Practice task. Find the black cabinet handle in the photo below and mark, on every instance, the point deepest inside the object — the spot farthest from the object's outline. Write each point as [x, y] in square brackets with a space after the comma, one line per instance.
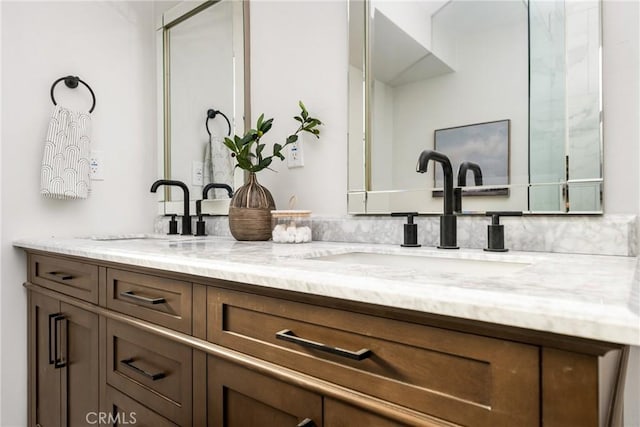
[51, 338]
[153, 377]
[307, 422]
[61, 275]
[54, 360]
[288, 335]
[130, 294]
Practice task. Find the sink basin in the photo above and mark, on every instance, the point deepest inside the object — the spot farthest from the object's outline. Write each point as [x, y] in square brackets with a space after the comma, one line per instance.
[177, 238]
[429, 264]
[116, 237]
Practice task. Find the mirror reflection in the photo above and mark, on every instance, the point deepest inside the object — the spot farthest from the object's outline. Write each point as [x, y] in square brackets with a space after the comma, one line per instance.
[454, 76]
[203, 92]
[565, 105]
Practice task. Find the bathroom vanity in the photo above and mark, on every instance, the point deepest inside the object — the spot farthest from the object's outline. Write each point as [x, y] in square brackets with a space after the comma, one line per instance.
[210, 331]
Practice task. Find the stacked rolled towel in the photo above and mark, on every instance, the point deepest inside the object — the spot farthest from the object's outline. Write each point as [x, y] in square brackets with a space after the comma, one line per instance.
[65, 172]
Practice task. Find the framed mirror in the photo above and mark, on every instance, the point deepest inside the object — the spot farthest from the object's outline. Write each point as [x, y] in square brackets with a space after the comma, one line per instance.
[513, 86]
[203, 75]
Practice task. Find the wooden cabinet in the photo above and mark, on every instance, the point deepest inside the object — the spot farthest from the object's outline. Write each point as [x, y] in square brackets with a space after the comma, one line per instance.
[159, 300]
[459, 377]
[239, 397]
[153, 370]
[66, 276]
[126, 343]
[63, 363]
[339, 414]
[122, 410]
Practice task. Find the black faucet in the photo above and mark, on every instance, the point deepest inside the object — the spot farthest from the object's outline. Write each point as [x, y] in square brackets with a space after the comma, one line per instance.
[462, 181]
[462, 173]
[448, 233]
[205, 190]
[200, 224]
[186, 218]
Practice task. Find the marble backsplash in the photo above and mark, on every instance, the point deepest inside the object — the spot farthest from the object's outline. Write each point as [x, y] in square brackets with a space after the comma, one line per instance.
[596, 235]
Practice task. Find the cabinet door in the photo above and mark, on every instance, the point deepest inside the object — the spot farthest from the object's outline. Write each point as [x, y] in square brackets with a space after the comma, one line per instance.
[239, 397]
[63, 363]
[79, 381]
[123, 410]
[44, 377]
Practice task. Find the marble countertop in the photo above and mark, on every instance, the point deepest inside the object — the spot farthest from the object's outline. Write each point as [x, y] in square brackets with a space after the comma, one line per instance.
[588, 296]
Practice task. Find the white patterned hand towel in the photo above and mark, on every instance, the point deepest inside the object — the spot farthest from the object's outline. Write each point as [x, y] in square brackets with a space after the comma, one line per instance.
[218, 166]
[65, 163]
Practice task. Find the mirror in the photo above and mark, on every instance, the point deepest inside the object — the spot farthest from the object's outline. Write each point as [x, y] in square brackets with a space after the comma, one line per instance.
[513, 86]
[204, 88]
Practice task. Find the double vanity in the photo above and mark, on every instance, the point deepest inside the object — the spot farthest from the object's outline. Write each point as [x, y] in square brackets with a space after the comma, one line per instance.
[183, 330]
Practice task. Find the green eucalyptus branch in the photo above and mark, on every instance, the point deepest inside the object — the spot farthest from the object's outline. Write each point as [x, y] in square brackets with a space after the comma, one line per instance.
[248, 150]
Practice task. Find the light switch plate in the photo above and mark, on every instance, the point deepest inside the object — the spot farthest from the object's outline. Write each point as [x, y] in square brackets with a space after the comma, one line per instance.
[96, 165]
[295, 158]
[197, 172]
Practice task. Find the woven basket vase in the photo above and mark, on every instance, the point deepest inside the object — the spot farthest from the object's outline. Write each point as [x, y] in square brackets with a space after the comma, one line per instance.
[250, 211]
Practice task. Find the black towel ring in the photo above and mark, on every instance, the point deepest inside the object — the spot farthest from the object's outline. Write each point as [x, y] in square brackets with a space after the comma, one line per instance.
[72, 82]
[211, 114]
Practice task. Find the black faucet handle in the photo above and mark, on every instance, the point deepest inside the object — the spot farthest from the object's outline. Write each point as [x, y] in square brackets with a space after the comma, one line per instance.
[200, 227]
[200, 224]
[495, 230]
[409, 215]
[410, 229]
[457, 200]
[173, 225]
[495, 215]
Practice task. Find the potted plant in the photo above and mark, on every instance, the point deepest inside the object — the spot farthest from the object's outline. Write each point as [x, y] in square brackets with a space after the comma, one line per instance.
[251, 205]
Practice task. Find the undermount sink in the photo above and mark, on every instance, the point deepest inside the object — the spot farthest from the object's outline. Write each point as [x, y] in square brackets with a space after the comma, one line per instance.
[429, 264]
[115, 237]
[140, 236]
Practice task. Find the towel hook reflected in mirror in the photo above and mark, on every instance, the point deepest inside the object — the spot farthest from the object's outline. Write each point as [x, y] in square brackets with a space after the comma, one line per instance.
[72, 82]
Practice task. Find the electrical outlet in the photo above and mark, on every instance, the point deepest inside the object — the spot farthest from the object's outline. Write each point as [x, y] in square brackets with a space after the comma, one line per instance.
[96, 165]
[197, 173]
[296, 158]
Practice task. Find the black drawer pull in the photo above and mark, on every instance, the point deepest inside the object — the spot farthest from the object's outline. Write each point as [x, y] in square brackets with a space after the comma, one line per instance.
[288, 335]
[307, 422]
[153, 377]
[60, 275]
[130, 294]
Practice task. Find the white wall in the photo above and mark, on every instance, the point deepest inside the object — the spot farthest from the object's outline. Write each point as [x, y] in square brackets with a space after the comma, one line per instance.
[110, 45]
[299, 52]
[621, 98]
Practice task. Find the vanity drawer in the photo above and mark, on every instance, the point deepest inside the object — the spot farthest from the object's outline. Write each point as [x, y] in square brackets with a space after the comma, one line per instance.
[153, 370]
[454, 376]
[163, 301]
[125, 410]
[73, 278]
